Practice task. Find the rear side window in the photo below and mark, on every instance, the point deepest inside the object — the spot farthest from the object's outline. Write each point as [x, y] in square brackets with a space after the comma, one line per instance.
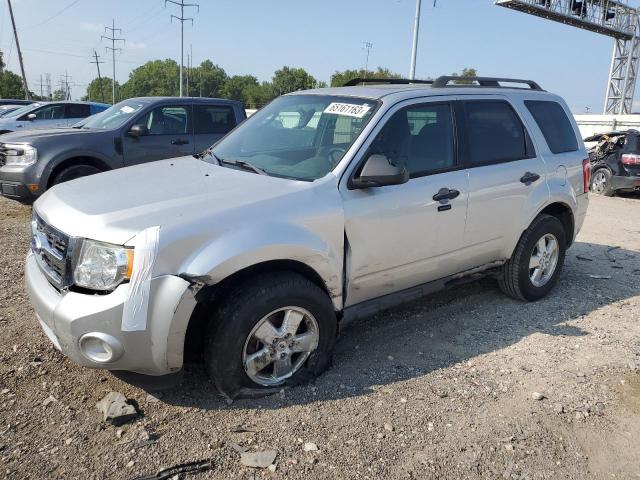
[554, 124]
[213, 119]
[75, 110]
[495, 133]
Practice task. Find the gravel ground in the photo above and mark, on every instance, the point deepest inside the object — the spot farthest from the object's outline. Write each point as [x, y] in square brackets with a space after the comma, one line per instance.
[464, 384]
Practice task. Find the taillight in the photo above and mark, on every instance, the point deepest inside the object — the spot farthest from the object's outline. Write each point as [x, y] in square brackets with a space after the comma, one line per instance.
[586, 175]
[630, 159]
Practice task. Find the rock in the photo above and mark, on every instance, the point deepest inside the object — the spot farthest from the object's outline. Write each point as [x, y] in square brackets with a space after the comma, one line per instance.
[68, 441]
[310, 447]
[48, 400]
[537, 396]
[258, 459]
[388, 427]
[558, 409]
[272, 467]
[5, 391]
[130, 463]
[524, 368]
[403, 400]
[379, 435]
[119, 433]
[509, 447]
[116, 409]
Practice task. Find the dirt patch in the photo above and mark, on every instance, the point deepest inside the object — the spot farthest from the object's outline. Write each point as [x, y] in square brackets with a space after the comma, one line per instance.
[440, 388]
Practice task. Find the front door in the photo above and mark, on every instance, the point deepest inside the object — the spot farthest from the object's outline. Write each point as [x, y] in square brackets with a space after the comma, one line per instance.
[169, 135]
[405, 235]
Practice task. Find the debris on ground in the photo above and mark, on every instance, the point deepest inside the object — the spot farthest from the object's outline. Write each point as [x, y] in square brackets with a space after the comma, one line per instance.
[177, 470]
[584, 258]
[538, 396]
[310, 447]
[258, 459]
[116, 409]
[600, 277]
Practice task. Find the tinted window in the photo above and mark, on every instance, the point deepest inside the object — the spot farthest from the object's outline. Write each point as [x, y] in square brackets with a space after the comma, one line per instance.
[554, 124]
[167, 120]
[494, 132]
[421, 138]
[78, 111]
[50, 112]
[213, 119]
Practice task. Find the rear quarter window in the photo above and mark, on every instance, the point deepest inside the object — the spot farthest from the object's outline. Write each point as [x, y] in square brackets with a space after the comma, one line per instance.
[554, 124]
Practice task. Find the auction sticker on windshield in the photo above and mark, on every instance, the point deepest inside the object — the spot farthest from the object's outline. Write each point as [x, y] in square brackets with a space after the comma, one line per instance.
[348, 109]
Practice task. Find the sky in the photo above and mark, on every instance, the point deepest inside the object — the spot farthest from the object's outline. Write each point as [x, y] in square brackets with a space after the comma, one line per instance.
[259, 36]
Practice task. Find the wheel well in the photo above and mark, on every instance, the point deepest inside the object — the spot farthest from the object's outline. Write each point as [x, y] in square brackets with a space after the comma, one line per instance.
[563, 213]
[210, 295]
[94, 162]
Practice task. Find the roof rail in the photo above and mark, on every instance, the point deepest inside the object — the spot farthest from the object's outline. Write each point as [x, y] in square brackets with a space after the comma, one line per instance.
[444, 81]
[390, 81]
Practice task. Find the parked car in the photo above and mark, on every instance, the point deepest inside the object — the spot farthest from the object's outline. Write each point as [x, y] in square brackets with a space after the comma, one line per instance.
[47, 115]
[13, 101]
[325, 206]
[615, 162]
[7, 109]
[134, 131]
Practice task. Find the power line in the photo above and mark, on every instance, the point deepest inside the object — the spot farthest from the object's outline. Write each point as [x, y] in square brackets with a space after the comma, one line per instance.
[182, 19]
[54, 16]
[113, 49]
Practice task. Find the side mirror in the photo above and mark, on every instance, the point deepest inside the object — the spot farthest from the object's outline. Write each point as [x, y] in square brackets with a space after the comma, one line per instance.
[138, 131]
[31, 116]
[378, 172]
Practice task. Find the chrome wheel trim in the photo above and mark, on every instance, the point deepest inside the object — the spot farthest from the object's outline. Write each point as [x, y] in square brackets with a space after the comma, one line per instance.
[544, 260]
[279, 344]
[599, 182]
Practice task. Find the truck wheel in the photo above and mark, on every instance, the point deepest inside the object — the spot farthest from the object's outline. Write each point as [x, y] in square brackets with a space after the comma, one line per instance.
[272, 330]
[601, 183]
[537, 261]
[76, 171]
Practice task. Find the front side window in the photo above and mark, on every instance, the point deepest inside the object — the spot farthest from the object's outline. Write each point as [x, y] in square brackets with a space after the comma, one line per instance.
[421, 138]
[554, 124]
[298, 136]
[494, 133]
[114, 116]
[166, 120]
[213, 119]
[50, 112]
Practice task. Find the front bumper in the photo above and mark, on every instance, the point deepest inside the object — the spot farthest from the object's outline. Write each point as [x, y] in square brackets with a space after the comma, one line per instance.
[69, 318]
[14, 181]
[625, 183]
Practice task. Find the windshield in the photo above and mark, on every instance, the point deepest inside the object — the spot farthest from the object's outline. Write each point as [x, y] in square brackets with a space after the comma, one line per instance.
[22, 110]
[297, 136]
[115, 116]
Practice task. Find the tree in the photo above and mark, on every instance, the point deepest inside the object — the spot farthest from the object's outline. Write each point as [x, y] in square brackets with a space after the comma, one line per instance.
[236, 87]
[154, 78]
[466, 73]
[99, 90]
[288, 80]
[338, 79]
[207, 80]
[10, 85]
[1, 62]
[59, 95]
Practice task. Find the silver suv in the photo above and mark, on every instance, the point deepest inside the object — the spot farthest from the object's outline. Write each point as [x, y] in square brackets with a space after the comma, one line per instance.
[325, 206]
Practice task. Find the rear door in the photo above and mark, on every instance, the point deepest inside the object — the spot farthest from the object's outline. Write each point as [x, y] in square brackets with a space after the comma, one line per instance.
[169, 135]
[75, 112]
[507, 177]
[210, 123]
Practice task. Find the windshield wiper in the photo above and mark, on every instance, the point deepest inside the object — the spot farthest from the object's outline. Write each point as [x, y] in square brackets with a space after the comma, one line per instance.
[242, 164]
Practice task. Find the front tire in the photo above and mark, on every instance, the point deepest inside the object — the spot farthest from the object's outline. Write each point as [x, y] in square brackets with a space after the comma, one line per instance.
[537, 261]
[273, 330]
[74, 172]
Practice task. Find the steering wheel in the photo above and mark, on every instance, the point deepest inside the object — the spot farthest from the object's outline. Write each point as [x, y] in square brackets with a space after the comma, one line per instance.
[335, 154]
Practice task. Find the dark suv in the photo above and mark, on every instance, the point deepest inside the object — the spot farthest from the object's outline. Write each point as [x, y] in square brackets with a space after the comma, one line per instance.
[134, 131]
[615, 162]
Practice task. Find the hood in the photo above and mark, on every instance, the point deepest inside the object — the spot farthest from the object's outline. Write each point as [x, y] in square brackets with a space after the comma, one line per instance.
[30, 136]
[114, 206]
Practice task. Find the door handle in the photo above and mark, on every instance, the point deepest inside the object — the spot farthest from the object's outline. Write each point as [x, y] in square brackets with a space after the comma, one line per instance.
[179, 141]
[445, 194]
[528, 178]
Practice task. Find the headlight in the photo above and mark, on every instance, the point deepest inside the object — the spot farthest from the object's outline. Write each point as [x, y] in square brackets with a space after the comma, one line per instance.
[102, 266]
[19, 155]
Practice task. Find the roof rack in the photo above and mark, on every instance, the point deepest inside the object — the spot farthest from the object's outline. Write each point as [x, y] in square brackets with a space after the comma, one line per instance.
[390, 81]
[491, 82]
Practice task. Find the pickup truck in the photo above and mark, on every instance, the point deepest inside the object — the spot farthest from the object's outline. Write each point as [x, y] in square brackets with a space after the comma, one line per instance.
[134, 131]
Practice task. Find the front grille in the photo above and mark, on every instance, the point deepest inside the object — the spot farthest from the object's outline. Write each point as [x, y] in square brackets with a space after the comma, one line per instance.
[53, 250]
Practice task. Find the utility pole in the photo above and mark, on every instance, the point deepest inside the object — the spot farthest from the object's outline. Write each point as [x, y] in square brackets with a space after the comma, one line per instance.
[367, 46]
[41, 88]
[113, 49]
[27, 95]
[182, 19]
[414, 50]
[64, 84]
[98, 62]
[47, 77]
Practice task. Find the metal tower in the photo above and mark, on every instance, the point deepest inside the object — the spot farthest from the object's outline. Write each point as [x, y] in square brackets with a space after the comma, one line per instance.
[612, 18]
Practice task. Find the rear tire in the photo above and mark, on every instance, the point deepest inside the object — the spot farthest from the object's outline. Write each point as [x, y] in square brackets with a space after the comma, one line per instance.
[601, 182]
[74, 172]
[234, 353]
[537, 261]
